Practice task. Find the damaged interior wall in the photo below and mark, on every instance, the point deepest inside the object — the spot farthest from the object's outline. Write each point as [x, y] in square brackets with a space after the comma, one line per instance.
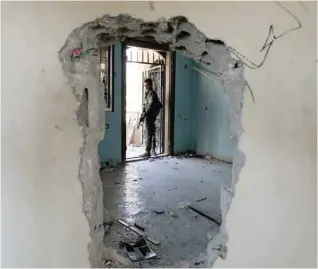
[44, 193]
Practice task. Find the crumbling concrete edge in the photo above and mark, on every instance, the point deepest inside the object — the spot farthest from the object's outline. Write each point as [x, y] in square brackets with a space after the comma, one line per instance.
[182, 36]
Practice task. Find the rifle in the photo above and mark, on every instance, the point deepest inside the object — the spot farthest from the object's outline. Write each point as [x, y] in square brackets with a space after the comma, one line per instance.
[142, 118]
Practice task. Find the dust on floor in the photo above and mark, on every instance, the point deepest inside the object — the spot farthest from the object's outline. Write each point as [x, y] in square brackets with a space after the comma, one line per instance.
[140, 191]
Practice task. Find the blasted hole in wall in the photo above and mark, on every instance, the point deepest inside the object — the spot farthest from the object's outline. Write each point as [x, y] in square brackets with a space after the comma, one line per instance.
[79, 58]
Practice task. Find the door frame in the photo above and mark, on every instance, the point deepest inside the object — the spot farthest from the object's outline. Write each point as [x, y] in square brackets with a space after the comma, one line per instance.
[170, 94]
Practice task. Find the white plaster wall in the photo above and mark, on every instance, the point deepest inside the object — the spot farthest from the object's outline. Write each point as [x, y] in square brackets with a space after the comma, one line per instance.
[273, 218]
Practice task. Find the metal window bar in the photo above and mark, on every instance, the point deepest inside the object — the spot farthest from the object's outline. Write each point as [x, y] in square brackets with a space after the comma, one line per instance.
[151, 57]
[106, 75]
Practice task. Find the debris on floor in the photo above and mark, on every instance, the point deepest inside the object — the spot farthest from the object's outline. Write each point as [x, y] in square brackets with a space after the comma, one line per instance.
[137, 225]
[173, 215]
[200, 200]
[212, 216]
[153, 200]
[159, 212]
[200, 261]
[222, 250]
[184, 204]
[138, 231]
[110, 166]
[186, 154]
[117, 260]
[140, 250]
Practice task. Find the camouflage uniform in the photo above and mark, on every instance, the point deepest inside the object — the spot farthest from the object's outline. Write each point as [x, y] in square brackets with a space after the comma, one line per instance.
[151, 109]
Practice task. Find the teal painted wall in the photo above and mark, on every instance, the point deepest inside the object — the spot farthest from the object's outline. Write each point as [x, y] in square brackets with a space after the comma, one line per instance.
[201, 113]
[184, 95]
[110, 147]
[211, 118]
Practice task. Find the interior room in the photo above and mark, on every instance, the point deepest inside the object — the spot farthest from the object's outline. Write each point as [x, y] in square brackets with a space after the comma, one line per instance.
[174, 196]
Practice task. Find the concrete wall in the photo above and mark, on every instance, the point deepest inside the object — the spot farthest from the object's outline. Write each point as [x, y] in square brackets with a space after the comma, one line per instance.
[211, 117]
[110, 147]
[272, 222]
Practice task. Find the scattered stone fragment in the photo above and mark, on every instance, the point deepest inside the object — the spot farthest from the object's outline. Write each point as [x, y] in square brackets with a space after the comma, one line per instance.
[159, 212]
[187, 154]
[137, 225]
[110, 166]
[173, 215]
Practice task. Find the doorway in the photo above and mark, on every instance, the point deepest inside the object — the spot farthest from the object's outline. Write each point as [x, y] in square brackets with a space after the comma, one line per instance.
[142, 60]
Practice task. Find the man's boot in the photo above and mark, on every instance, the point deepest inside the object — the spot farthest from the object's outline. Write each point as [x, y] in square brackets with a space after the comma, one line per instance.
[153, 153]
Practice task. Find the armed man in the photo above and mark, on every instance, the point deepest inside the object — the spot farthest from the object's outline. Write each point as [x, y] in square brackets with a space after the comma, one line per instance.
[150, 112]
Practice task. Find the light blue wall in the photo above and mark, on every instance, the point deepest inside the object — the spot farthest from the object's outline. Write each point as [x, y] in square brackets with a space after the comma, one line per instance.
[183, 116]
[110, 147]
[211, 118]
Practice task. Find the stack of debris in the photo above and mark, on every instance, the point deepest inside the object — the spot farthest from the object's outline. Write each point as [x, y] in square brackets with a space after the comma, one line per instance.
[139, 250]
[186, 154]
[110, 166]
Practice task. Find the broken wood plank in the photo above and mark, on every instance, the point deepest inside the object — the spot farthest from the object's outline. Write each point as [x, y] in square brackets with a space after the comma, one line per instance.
[138, 231]
[211, 216]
